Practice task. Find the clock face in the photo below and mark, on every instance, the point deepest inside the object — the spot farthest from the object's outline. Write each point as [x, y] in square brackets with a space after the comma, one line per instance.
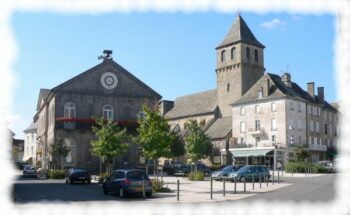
[109, 80]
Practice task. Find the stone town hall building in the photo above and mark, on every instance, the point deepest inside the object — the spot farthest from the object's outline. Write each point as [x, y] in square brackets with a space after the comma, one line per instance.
[253, 116]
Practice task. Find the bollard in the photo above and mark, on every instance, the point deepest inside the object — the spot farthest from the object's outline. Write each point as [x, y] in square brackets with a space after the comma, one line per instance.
[278, 176]
[146, 169]
[143, 189]
[244, 185]
[211, 187]
[292, 171]
[282, 171]
[224, 180]
[178, 190]
[267, 180]
[260, 180]
[235, 185]
[273, 177]
[253, 180]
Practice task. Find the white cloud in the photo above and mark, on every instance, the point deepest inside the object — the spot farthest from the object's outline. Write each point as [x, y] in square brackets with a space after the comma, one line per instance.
[272, 24]
[17, 124]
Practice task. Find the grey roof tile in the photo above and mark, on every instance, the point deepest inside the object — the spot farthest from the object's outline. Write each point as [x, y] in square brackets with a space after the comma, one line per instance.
[220, 128]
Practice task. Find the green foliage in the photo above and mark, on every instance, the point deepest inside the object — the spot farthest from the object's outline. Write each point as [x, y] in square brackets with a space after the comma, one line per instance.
[177, 147]
[157, 186]
[196, 176]
[58, 150]
[198, 143]
[300, 154]
[57, 174]
[301, 167]
[154, 135]
[112, 141]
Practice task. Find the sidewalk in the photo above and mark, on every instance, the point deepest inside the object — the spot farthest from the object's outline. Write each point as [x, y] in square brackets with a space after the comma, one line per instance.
[199, 191]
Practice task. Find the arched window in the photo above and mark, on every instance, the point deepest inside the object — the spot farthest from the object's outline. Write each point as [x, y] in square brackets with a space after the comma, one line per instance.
[256, 55]
[223, 56]
[107, 112]
[233, 53]
[248, 53]
[228, 87]
[69, 110]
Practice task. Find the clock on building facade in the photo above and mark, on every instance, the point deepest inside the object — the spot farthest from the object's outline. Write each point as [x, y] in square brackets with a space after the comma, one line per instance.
[109, 80]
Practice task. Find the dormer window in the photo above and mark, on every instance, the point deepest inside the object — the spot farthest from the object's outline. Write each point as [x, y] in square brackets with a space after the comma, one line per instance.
[260, 94]
[248, 53]
[233, 53]
[256, 55]
[223, 56]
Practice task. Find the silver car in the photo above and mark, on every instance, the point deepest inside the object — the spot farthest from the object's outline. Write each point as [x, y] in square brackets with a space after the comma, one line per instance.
[29, 170]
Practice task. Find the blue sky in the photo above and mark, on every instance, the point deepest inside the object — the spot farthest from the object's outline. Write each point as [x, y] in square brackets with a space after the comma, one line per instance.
[173, 53]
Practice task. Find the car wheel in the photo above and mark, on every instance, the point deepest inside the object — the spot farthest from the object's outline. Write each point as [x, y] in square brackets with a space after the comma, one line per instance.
[149, 194]
[105, 192]
[121, 193]
[89, 181]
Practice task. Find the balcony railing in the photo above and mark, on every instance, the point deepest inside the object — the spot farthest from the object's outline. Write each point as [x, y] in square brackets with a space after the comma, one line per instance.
[255, 132]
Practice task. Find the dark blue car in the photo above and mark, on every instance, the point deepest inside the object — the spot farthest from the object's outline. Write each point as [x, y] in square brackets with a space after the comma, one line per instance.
[125, 182]
[218, 175]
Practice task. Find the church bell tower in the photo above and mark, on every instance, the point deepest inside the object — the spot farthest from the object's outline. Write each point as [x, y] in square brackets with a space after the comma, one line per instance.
[240, 64]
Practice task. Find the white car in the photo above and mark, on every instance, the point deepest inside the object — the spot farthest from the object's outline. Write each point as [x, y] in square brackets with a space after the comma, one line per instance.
[328, 165]
[29, 170]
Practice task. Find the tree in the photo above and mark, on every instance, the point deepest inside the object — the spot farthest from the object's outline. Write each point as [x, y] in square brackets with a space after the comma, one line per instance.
[58, 150]
[197, 142]
[178, 146]
[112, 141]
[300, 153]
[154, 136]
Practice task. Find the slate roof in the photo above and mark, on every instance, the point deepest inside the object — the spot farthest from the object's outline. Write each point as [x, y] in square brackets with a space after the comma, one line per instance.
[194, 104]
[220, 128]
[240, 32]
[278, 90]
[32, 127]
[42, 95]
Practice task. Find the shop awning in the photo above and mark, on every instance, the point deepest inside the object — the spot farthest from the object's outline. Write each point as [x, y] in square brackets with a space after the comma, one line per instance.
[249, 152]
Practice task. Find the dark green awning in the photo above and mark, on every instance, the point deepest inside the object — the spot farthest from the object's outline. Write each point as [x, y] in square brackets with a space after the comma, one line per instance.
[250, 152]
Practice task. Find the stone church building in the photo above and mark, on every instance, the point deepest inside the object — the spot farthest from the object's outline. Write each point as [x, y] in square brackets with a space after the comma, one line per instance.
[243, 83]
[64, 113]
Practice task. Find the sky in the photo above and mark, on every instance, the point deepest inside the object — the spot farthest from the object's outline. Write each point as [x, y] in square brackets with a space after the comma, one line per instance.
[173, 53]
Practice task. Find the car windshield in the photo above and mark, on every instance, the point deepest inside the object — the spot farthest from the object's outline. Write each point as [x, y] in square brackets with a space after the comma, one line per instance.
[136, 175]
[244, 169]
[79, 170]
[30, 167]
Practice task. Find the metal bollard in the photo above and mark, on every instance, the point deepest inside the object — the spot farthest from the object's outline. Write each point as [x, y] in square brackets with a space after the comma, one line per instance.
[260, 180]
[244, 185]
[235, 185]
[178, 190]
[278, 176]
[253, 180]
[273, 177]
[267, 180]
[211, 187]
[143, 189]
[224, 180]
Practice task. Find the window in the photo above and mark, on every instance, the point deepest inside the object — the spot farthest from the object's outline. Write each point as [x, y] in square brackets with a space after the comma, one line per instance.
[299, 125]
[300, 140]
[292, 139]
[325, 116]
[223, 56]
[256, 55]
[108, 112]
[310, 140]
[311, 125]
[299, 107]
[325, 129]
[291, 124]
[310, 110]
[257, 108]
[315, 140]
[317, 127]
[291, 106]
[257, 125]
[260, 94]
[242, 140]
[273, 138]
[273, 107]
[273, 124]
[69, 110]
[141, 114]
[242, 110]
[242, 127]
[228, 87]
[233, 53]
[248, 53]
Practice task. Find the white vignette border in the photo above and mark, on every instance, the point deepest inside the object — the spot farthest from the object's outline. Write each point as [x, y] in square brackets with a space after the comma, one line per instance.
[8, 50]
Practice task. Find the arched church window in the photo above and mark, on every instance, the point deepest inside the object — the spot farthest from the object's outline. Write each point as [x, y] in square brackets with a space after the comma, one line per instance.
[108, 112]
[248, 53]
[223, 56]
[256, 55]
[233, 53]
[69, 110]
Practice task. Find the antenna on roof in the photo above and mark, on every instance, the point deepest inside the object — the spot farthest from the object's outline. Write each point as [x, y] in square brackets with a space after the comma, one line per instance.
[107, 54]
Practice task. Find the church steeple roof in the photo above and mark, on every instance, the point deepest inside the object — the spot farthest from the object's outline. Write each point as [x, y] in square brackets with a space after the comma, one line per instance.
[240, 32]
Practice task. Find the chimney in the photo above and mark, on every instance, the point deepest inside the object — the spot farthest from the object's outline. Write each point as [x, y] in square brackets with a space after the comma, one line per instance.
[320, 93]
[165, 106]
[287, 79]
[310, 89]
[266, 87]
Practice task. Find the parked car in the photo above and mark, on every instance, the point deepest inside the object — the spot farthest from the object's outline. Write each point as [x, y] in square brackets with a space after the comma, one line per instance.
[182, 170]
[202, 168]
[328, 165]
[29, 170]
[248, 172]
[186, 169]
[77, 174]
[20, 164]
[125, 182]
[217, 175]
[170, 166]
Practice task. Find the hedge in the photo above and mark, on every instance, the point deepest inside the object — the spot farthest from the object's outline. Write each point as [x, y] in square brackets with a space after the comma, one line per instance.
[196, 176]
[301, 167]
[57, 174]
